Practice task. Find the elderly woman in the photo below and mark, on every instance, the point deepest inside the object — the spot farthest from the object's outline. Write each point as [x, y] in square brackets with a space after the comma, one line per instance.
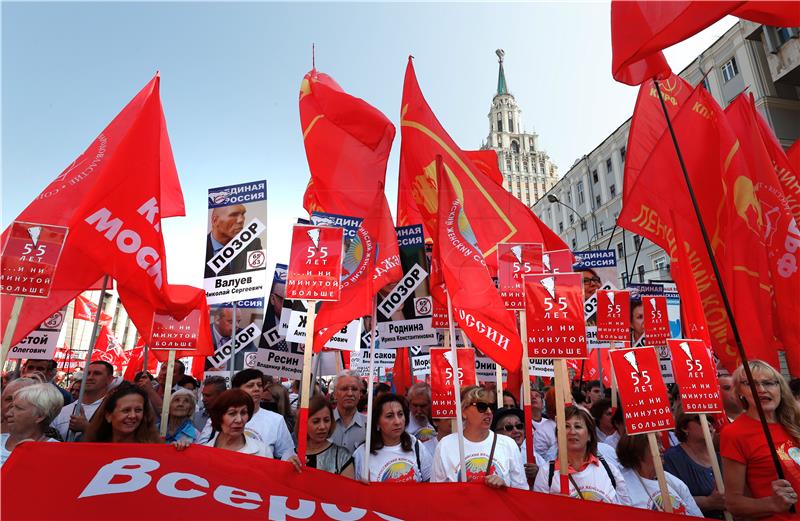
[7, 397]
[395, 455]
[32, 409]
[229, 414]
[639, 472]
[590, 476]
[321, 454]
[182, 404]
[751, 486]
[511, 422]
[495, 460]
[690, 462]
[125, 416]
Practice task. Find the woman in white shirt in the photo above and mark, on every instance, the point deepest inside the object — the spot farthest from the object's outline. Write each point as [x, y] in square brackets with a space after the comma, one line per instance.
[590, 476]
[395, 455]
[31, 411]
[639, 472]
[492, 459]
[607, 422]
[229, 414]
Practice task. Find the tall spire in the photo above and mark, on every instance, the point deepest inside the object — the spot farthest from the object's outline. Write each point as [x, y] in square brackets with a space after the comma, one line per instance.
[501, 78]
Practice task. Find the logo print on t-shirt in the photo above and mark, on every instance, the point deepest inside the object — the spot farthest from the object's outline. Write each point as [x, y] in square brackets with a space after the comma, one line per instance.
[677, 507]
[476, 468]
[794, 453]
[424, 434]
[398, 472]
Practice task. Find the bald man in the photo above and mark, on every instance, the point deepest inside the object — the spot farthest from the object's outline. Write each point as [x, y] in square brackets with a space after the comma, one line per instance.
[226, 223]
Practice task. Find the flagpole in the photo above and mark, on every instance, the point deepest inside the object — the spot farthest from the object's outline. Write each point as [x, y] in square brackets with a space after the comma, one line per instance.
[659, 467]
[11, 327]
[144, 357]
[231, 364]
[525, 399]
[305, 385]
[370, 387]
[71, 341]
[92, 342]
[462, 475]
[167, 393]
[728, 309]
[712, 453]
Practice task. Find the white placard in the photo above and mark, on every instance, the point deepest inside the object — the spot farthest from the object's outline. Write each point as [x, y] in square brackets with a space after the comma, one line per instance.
[347, 339]
[404, 333]
[280, 364]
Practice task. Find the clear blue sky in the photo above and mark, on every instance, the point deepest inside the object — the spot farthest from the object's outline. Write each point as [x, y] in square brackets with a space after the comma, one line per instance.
[231, 73]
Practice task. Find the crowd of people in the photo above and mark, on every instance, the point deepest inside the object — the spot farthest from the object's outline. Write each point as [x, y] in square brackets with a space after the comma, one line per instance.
[258, 416]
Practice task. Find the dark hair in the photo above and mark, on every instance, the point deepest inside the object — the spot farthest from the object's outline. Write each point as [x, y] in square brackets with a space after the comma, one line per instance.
[226, 400]
[316, 404]
[574, 411]
[109, 367]
[508, 393]
[599, 408]
[631, 450]
[381, 388]
[591, 384]
[501, 413]
[181, 367]
[187, 379]
[682, 420]
[376, 441]
[99, 429]
[244, 376]
[794, 385]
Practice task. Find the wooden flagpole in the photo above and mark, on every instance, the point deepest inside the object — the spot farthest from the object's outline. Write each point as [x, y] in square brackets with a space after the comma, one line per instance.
[613, 345]
[662, 479]
[526, 388]
[462, 475]
[305, 384]
[714, 463]
[167, 393]
[370, 387]
[561, 428]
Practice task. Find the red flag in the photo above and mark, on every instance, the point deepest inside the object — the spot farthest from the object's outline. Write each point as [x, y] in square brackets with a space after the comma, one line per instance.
[191, 299]
[486, 161]
[347, 144]
[112, 198]
[477, 305]
[496, 215]
[85, 309]
[401, 372]
[794, 159]
[641, 29]
[761, 198]
[108, 349]
[136, 362]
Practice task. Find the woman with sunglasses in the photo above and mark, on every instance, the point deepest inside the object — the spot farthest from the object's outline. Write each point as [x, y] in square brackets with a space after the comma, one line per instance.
[511, 422]
[495, 460]
[752, 489]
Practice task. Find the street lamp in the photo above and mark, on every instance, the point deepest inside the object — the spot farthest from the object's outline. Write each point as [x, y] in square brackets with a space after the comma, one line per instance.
[553, 199]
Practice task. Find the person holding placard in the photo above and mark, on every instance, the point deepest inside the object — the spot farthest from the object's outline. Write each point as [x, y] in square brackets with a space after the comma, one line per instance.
[395, 455]
[32, 409]
[590, 476]
[495, 460]
[321, 454]
[691, 463]
[125, 416]
[746, 457]
[639, 471]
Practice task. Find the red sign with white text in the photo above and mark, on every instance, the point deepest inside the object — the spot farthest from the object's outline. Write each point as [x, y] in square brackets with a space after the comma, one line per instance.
[695, 375]
[613, 315]
[173, 335]
[656, 320]
[315, 263]
[554, 313]
[29, 260]
[439, 319]
[442, 391]
[557, 261]
[514, 261]
[642, 391]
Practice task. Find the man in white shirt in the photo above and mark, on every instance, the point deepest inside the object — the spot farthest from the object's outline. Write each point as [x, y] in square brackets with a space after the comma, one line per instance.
[74, 418]
[545, 443]
[419, 402]
[266, 426]
[351, 425]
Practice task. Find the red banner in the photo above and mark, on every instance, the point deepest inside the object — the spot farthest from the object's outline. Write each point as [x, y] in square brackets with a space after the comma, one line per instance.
[108, 349]
[204, 484]
[656, 321]
[85, 309]
[514, 261]
[554, 312]
[29, 259]
[557, 261]
[613, 315]
[642, 390]
[442, 393]
[173, 335]
[315, 265]
[696, 376]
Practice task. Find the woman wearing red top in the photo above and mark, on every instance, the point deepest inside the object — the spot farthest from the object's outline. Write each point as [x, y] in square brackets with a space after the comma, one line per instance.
[746, 457]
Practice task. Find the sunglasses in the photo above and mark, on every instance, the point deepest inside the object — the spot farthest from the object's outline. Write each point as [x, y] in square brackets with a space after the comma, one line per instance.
[510, 427]
[483, 406]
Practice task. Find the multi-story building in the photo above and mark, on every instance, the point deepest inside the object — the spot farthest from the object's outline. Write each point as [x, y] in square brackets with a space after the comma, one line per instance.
[527, 170]
[583, 206]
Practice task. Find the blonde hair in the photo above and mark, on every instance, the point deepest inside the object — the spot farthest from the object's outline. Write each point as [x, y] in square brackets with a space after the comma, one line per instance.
[476, 393]
[787, 413]
[45, 398]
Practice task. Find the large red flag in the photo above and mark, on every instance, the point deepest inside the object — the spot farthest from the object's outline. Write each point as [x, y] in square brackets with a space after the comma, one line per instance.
[641, 29]
[496, 215]
[108, 349]
[762, 200]
[658, 202]
[347, 144]
[85, 309]
[136, 362]
[477, 306]
[112, 199]
[794, 160]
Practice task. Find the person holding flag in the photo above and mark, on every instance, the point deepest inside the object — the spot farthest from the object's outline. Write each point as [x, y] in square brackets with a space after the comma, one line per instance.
[73, 420]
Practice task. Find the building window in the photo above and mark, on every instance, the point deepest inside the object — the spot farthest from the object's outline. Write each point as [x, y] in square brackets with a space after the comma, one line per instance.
[569, 196]
[511, 123]
[730, 70]
[583, 225]
[620, 249]
[624, 280]
[571, 218]
[515, 147]
[608, 166]
[784, 35]
[580, 192]
[561, 227]
[706, 85]
[636, 241]
[612, 190]
[622, 155]
[499, 122]
[599, 201]
[594, 176]
[660, 263]
[640, 269]
[574, 245]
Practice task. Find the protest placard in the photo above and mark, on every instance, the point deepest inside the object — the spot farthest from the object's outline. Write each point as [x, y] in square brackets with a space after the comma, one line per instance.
[554, 315]
[442, 393]
[514, 261]
[40, 344]
[696, 376]
[315, 265]
[642, 390]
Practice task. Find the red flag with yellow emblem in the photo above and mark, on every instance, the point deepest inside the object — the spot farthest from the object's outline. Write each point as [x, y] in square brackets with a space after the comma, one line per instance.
[495, 214]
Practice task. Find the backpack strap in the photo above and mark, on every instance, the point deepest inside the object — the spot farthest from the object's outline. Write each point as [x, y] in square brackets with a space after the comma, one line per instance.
[416, 449]
[491, 455]
[551, 473]
[608, 471]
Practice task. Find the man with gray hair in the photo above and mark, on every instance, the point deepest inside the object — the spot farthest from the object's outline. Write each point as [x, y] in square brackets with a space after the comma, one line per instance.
[351, 425]
[419, 403]
[213, 386]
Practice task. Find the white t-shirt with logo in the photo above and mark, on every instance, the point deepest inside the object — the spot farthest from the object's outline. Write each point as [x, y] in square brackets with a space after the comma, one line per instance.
[267, 427]
[422, 432]
[545, 443]
[506, 463]
[61, 422]
[393, 465]
[647, 494]
[593, 481]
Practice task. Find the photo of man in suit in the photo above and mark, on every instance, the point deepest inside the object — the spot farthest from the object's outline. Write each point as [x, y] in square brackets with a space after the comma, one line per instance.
[226, 223]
